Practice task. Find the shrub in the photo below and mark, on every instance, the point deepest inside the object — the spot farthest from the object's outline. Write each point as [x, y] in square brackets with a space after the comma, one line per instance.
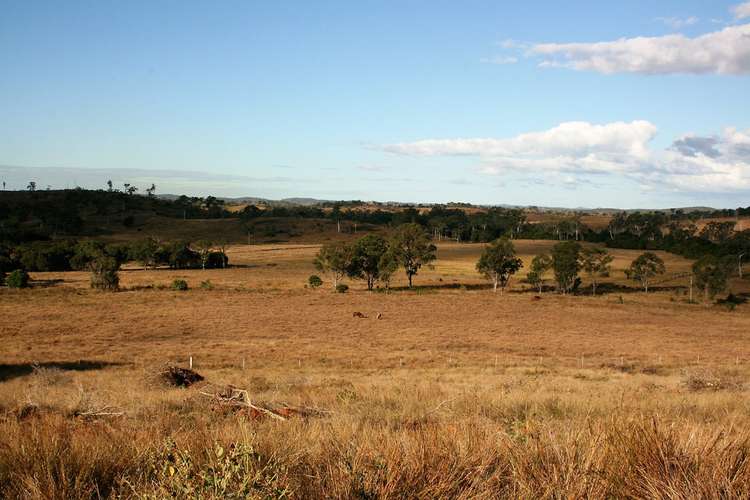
[179, 285]
[104, 273]
[18, 279]
[342, 288]
[314, 281]
[207, 285]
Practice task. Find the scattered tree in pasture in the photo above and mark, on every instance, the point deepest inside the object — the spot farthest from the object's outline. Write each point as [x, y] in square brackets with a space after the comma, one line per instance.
[109, 185]
[595, 262]
[103, 261]
[31, 186]
[412, 249]
[739, 245]
[105, 273]
[540, 264]
[387, 266]
[498, 263]
[145, 252]
[333, 258]
[712, 275]
[644, 268]
[566, 263]
[150, 191]
[204, 248]
[365, 258]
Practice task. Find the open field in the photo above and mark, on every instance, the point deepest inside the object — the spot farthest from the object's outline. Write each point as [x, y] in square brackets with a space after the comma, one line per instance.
[453, 392]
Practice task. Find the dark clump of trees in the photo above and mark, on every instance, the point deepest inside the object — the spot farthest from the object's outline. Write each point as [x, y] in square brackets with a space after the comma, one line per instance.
[374, 259]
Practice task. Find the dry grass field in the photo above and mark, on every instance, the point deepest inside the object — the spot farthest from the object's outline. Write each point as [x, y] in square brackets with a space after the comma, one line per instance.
[453, 392]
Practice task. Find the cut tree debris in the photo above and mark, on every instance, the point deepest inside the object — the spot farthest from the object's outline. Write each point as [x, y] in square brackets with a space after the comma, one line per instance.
[180, 377]
[235, 400]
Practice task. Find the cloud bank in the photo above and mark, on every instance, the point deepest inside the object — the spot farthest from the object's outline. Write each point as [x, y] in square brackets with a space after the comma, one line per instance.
[692, 163]
[741, 11]
[725, 52]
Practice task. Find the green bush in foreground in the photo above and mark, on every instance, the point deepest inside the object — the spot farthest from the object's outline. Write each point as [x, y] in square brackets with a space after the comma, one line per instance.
[314, 281]
[18, 279]
[180, 285]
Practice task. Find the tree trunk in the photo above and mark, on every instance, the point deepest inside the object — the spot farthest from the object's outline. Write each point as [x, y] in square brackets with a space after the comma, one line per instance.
[409, 275]
[739, 264]
[494, 285]
[593, 288]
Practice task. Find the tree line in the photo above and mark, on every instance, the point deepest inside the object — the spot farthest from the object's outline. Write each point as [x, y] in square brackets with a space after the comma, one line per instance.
[374, 259]
[104, 260]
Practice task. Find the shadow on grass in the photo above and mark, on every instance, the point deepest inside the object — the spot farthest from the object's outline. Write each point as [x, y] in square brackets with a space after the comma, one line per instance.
[601, 288]
[45, 283]
[14, 370]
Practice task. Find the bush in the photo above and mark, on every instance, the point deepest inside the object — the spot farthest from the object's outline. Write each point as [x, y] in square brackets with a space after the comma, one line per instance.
[314, 281]
[179, 285]
[18, 279]
[342, 288]
[104, 273]
[207, 285]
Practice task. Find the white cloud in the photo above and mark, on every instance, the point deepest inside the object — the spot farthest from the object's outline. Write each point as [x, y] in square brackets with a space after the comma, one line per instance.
[676, 22]
[723, 52]
[500, 60]
[692, 163]
[741, 11]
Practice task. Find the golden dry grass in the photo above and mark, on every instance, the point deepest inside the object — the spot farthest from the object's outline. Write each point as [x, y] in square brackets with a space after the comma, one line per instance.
[454, 392]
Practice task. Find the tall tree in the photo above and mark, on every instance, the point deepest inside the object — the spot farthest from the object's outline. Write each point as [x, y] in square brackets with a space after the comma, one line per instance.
[540, 264]
[145, 252]
[204, 250]
[566, 263]
[412, 249]
[595, 262]
[644, 268]
[333, 258]
[365, 259]
[498, 263]
[712, 275]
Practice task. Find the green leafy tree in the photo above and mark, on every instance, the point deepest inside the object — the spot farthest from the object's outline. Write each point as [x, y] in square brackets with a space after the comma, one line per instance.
[333, 258]
[365, 258]
[387, 266]
[595, 262]
[412, 249]
[644, 268]
[566, 263]
[145, 252]
[103, 261]
[712, 275]
[498, 263]
[540, 264]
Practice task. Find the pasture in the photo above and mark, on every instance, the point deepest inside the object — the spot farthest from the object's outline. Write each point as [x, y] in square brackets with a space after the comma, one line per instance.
[444, 390]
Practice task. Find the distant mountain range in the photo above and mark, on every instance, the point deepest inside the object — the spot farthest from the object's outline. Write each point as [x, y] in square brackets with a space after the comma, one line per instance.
[315, 201]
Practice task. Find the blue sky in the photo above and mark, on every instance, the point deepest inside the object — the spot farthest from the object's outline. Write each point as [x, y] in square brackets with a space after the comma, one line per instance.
[639, 104]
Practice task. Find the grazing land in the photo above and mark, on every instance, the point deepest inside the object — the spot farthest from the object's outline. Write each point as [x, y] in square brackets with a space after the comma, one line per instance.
[444, 390]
